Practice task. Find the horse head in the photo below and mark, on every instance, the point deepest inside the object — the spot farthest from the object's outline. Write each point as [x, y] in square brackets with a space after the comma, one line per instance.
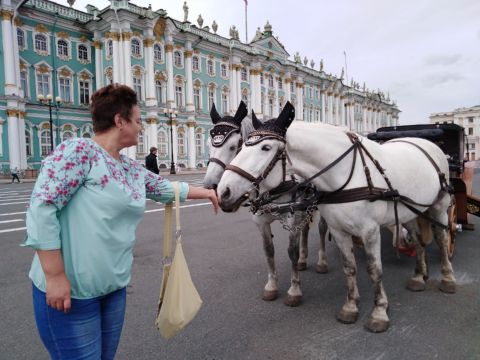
[225, 142]
[256, 168]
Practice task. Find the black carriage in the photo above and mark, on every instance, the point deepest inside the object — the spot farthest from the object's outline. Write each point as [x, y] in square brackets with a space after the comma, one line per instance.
[451, 139]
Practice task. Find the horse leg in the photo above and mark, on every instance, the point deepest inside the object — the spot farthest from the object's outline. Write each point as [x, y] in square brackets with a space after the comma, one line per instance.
[447, 284]
[302, 261]
[348, 314]
[417, 281]
[322, 265]
[294, 296]
[378, 320]
[270, 292]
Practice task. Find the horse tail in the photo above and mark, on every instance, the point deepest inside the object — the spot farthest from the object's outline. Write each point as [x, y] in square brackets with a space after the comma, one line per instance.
[425, 231]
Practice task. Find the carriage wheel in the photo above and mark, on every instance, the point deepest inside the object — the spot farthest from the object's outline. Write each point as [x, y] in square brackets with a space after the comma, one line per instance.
[452, 228]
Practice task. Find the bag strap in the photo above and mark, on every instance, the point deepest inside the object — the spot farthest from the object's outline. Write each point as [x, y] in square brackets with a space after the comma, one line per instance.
[178, 233]
[167, 226]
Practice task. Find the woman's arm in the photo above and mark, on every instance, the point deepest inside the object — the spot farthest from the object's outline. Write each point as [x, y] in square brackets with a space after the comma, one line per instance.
[201, 193]
[58, 286]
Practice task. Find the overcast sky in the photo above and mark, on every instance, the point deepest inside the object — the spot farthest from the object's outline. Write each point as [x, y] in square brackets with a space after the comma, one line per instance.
[425, 53]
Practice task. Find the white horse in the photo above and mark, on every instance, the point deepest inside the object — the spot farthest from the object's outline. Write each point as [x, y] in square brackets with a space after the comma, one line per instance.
[420, 183]
[226, 140]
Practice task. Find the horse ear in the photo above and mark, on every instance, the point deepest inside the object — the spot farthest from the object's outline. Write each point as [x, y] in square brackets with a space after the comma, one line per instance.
[286, 116]
[255, 122]
[241, 113]
[214, 114]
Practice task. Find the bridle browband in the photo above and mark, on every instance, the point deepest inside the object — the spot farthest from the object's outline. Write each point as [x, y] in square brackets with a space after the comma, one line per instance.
[219, 137]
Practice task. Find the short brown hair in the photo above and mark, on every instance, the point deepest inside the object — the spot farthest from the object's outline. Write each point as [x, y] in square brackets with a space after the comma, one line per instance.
[109, 101]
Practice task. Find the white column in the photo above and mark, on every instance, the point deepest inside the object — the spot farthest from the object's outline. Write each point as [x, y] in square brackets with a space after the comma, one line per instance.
[127, 59]
[322, 95]
[275, 101]
[188, 77]
[288, 93]
[338, 118]
[117, 58]
[192, 156]
[239, 87]
[364, 120]
[175, 142]
[13, 139]
[171, 80]
[299, 111]
[252, 88]
[231, 80]
[8, 56]
[98, 63]
[21, 136]
[151, 99]
[353, 123]
[258, 93]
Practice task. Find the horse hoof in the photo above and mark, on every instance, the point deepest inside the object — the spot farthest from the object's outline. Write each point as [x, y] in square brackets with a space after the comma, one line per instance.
[448, 287]
[269, 295]
[415, 285]
[301, 266]
[376, 325]
[293, 301]
[321, 269]
[347, 317]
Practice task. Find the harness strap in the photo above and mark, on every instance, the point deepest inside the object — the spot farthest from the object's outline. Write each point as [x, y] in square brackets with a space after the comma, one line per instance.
[217, 161]
[241, 172]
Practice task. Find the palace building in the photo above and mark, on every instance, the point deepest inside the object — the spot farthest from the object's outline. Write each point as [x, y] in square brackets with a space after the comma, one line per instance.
[55, 57]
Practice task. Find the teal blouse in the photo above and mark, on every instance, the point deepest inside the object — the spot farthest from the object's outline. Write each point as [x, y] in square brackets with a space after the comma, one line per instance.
[88, 204]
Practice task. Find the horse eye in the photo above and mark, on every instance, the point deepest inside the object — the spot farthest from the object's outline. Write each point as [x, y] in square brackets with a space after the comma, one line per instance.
[233, 148]
[266, 147]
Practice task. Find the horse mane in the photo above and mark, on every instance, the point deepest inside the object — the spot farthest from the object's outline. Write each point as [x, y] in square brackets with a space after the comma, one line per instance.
[247, 127]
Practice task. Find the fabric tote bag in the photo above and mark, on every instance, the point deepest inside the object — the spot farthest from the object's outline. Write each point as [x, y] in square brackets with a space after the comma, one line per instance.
[179, 300]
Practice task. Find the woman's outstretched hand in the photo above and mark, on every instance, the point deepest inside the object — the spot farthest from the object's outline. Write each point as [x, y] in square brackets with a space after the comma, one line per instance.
[201, 193]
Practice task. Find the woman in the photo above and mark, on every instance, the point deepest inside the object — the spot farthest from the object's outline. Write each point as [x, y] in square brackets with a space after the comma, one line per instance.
[85, 207]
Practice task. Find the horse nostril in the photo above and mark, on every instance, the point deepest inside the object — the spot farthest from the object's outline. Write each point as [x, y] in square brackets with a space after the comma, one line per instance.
[226, 193]
[214, 186]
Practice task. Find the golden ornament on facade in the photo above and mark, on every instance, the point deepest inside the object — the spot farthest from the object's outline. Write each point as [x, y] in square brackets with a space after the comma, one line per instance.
[7, 14]
[43, 69]
[160, 76]
[67, 127]
[179, 80]
[159, 28]
[188, 53]
[83, 38]
[168, 48]
[23, 66]
[126, 36]
[211, 56]
[65, 72]
[137, 34]
[41, 28]
[191, 123]
[137, 71]
[287, 80]
[172, 122]
[85, 75]
[18, 22]
[109, 72]
[148, 42]
[12, 113]
[178, 46]
[22, 114]
[45, 126]
[97, 44]
[63, 35]
[151, 120]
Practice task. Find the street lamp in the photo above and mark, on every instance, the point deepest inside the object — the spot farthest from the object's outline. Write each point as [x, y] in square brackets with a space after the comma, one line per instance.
[48, 101]
[171, 114]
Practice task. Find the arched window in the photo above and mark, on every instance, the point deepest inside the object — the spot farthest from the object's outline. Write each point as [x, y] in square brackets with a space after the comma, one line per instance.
[261, 78]
[196, 98]
[28, 143]
[65, 85]
[84, 86]
[225, 102]
[211, 97]
[270, 106]
[67, 135]
[199, 144]
[179, 93]
[270, 81]
[41, 43]
[177, 58]
[82, 53]
[109, 48]
[43, 84]
[224, 70]
[280, 83]
[195, 63]
[162, 143]
[244, 74]
[135, 47]
[62, 47]
[20, 38]
[141, 143]
[210, 67]
[181, 143]
[86, 135]
[45, 142]
[24, 83]
[157, 52]
[159, 90]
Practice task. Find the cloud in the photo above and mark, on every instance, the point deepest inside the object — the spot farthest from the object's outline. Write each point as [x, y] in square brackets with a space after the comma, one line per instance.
[437, 79]
[442, 59]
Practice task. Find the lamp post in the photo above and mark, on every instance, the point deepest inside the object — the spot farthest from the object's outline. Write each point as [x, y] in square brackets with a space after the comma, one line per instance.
[48, 101]
[171, 114]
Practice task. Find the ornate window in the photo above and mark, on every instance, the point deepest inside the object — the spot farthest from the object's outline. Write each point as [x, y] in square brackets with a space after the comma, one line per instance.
[291, 87]
[109, 48]
[138, 82]
[43, 84]
[65, 88]
[141, 143]
[41, 46]
[211, 95]
[280, 84]
[28, 143]
[45, 142]
[181, 142]
[82, 53]
[108, 76]
[199, 144]
[196, 98]
[24, 83]
[20, 39]
[270, 107]
[84, 91]
[270, 80]
[261, 79]
[159, 91]
[210, 67]
[225, 102]
[162, 143]
[195, 63]
[136, 48]
[223, 68]
[67, 135]
[177, 59]
[157, 53]
[243, 74]
[179, 92]
[62, 49]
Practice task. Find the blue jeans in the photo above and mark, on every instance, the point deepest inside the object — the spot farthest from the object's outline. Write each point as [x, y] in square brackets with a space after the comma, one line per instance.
[91, 330]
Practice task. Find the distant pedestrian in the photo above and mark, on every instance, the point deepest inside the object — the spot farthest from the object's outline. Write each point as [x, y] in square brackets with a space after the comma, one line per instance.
[151, 161]
[14, 173]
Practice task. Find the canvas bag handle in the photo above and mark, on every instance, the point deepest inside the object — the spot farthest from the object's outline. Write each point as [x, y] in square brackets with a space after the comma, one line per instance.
[167, 228]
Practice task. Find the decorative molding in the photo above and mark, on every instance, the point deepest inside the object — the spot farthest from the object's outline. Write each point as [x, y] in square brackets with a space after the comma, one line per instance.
[63, 35]
[126, 36]
[137, 34]
[178, 46]
[159, 28]
[168, 47]
[97, 44]
[6, 14]
[11, 113]
[152, 120]
[18, 22]
[188, 53]
[148, 42]
[191, 123]
[43, 69]
[65, 72]
[41, 28]
[172, 122]
[85, 76]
